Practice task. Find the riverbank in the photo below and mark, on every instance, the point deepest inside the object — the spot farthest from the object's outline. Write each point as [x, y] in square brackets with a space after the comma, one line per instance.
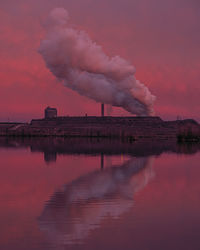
[124, 128]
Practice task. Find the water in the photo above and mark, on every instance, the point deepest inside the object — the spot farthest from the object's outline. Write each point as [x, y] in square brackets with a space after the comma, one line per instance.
[61, 194]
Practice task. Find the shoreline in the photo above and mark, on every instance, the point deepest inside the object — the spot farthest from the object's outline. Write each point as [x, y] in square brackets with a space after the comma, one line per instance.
[123, 128]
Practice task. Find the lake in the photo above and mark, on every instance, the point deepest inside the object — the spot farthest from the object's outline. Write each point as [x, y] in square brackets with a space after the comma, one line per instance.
[96, 194]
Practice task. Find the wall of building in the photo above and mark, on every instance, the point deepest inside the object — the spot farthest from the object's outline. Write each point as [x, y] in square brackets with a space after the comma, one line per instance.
[130, 128]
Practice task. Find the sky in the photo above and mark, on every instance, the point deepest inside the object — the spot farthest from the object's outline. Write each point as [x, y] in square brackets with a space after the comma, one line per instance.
[160, 38]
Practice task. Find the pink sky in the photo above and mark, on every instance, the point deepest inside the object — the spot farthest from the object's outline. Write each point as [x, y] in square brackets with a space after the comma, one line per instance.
[160, 38]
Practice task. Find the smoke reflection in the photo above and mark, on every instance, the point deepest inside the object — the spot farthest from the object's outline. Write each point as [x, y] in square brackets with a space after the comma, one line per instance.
[82, 206]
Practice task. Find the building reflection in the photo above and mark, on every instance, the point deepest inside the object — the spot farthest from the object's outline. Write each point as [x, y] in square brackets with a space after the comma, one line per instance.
[52, 147]
[50, 157]
[82, 206]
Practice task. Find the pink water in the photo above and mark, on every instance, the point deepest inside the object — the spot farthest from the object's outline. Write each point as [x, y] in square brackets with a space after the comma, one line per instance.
[72, 203]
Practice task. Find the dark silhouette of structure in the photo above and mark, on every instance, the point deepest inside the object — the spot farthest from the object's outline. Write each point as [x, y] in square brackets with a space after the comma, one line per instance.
[50, 113]
[102, 109]
[128, 128]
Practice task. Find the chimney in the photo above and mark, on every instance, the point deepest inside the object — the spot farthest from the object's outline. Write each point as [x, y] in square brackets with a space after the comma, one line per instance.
[102, 109]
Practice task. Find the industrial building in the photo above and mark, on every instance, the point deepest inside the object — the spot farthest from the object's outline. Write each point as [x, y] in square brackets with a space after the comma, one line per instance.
[129, 128]
[50, 113]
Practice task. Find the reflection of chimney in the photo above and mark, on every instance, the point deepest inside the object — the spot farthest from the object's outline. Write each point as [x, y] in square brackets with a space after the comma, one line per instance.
[102, 109]
[102, 161]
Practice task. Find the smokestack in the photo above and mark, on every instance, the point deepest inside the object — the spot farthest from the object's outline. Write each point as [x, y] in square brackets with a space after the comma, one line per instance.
[102, 109]
[81, 65]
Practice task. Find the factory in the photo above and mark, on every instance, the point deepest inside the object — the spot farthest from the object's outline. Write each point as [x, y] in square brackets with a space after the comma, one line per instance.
[128, 128]
[50, 112]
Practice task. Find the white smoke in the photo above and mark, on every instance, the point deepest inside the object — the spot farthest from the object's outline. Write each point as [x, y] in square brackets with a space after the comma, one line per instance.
[80, 64]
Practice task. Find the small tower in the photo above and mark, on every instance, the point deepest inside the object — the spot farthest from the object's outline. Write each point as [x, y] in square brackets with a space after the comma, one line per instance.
[50, 113]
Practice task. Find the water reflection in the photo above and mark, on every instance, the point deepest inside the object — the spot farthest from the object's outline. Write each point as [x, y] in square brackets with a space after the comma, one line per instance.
[99, 195]
[53, 147]
[50, 157]
[82, 206]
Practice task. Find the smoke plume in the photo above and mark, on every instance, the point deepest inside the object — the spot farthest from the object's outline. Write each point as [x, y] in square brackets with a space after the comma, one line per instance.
[81, 65]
